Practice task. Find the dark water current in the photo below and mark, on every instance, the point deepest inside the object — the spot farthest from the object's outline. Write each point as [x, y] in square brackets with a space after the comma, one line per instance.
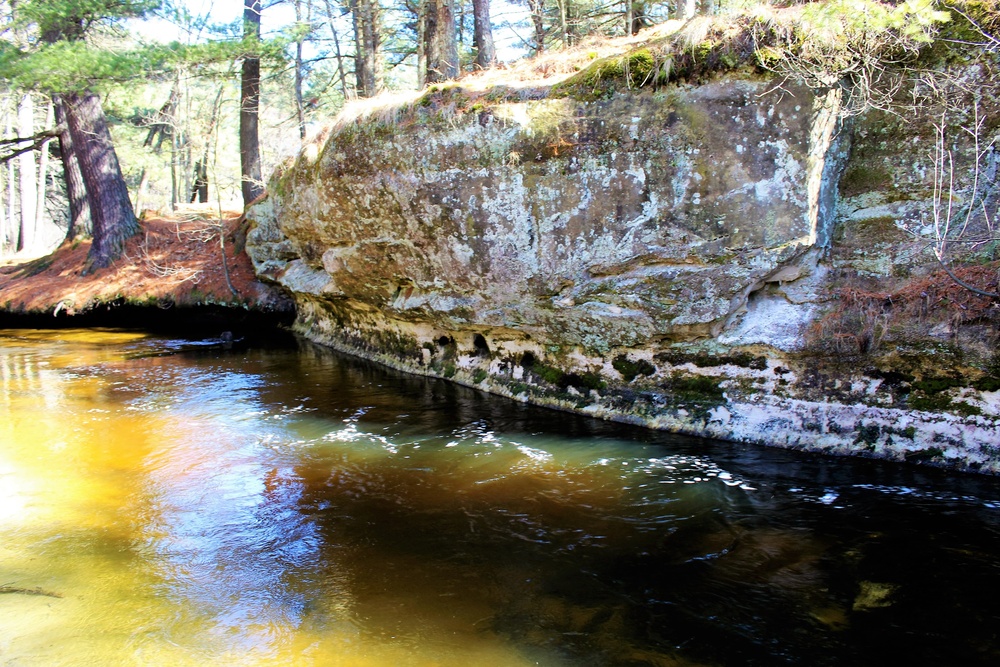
[174, 502]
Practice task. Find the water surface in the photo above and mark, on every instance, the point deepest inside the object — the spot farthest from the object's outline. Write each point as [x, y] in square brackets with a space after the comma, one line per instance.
[179, 502]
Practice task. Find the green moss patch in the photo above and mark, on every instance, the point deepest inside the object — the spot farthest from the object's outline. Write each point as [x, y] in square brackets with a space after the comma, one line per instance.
[694, 388]
[631, 369]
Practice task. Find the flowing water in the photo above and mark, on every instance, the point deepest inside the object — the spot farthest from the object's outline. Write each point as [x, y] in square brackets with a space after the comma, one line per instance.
[178, 502]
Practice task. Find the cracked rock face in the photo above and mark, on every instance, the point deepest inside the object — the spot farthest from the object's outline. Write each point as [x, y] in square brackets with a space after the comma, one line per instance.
[652, 258]
[597, 225]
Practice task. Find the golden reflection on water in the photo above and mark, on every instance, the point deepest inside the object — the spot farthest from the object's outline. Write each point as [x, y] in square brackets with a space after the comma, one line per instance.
[141, 528]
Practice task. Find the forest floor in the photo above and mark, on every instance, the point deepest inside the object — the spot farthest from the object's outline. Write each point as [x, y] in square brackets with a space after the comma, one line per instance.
[174, 260]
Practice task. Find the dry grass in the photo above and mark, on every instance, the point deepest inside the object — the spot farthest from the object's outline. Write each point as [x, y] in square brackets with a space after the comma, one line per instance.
[863, 317]
[173, 259]
[533, 78]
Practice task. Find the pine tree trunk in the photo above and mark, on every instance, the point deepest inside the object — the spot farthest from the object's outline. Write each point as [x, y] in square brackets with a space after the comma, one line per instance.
[563, 23]
[439, 41]
[113, 219]
[11, 188]
[26, 162]
[252, 183]
[4, 229]
[686, 9]
[140, 192]
[537, 8]
[486, 54]
[367, 34]
[79, 205]
[43, 168]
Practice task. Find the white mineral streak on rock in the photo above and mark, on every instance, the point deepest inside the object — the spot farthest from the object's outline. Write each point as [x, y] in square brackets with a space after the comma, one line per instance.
[656, 263]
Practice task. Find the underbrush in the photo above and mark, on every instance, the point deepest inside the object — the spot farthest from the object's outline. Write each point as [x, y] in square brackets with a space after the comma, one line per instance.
[865, 317]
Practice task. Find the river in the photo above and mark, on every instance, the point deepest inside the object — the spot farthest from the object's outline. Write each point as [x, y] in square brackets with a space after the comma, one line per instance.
[166, 501]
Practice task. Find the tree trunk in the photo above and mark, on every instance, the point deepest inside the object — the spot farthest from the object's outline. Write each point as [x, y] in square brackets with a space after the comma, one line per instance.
[439, 41]
[337, 52]
[686, 9]
[140, 192]
[26, 161]
[79, 205]
[11, 188]
[299, 108]
[252, 183]
[43, 168]
[486, 54]
[199, 191]
[4, 230]
[537, 8]
[563, 21]
[113, 219]
[368, 38]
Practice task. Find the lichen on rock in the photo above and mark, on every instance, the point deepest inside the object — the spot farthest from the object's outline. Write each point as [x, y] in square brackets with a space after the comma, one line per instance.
[655, 256]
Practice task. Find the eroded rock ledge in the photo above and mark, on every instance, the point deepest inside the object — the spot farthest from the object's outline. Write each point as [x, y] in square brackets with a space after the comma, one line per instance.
[654, 258]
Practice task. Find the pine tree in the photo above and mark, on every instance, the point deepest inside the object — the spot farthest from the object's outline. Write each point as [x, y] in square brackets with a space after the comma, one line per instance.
[87, 149]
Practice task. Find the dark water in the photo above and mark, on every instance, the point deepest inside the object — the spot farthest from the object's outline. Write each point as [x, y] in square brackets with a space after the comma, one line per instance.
[174, 502]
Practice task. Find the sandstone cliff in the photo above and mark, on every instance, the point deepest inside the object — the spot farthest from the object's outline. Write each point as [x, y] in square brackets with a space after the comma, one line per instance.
[660, 256]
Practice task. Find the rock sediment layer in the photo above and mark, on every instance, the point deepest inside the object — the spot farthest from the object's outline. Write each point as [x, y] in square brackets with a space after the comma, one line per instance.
[652, 258]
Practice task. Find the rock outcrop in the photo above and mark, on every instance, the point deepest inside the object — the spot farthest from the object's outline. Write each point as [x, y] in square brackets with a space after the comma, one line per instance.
[653, 257]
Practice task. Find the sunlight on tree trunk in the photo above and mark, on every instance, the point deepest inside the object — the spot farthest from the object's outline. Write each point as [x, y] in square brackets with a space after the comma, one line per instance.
[486, 54]
[368, 40]
[43, 168]
[964, 218]
[439, 41]
[11, 188]
[299, 45]
[252, 184]
[4, 228]
[26, 162]
[537, 8]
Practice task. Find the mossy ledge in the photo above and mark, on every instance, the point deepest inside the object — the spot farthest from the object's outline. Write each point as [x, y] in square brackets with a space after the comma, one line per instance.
[663, 250]
[744, 394]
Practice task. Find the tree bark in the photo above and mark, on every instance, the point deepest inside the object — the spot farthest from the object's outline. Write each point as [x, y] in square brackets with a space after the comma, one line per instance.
[252, 183]
[367, 39]
[563, 6]
[537, 8]
[11, 188]
[486, 54]
[43, 168]
[4, 230]
[439, 41]
[199, 191]
[113, 218]
[686, 9]
[26, 162]
[76, 191]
